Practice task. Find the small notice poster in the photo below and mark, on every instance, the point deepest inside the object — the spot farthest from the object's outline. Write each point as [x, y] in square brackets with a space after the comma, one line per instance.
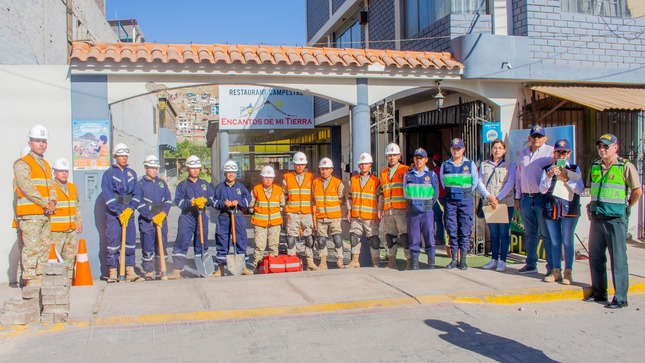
[91, 144]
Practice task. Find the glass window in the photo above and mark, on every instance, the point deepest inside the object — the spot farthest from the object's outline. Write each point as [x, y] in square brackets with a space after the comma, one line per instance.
[420, 14]
[615, 8]
[350, 38]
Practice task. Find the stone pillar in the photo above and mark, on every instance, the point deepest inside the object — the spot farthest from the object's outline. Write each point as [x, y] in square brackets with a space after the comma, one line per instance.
[223, 153]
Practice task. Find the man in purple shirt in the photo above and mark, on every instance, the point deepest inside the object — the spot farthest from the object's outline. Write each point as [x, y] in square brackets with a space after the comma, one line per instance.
[528, 199]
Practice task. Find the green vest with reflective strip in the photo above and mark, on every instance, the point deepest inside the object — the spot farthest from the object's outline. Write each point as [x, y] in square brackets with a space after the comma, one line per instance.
[609, 191]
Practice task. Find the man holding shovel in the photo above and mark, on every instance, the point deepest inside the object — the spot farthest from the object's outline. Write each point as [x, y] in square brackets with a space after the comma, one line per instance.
[121, 193]
[230, 197]
[192, 196]
[153, 209]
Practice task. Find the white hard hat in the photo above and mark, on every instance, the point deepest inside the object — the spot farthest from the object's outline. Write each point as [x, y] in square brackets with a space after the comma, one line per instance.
[300, 158]
[61, 164]
[38, 132]
[267, 172]
[392, 149]
[121, 149]
[230, 166]
[193, 162]
[325, 163]
[365, 158]
[25, 150]
[151, 161]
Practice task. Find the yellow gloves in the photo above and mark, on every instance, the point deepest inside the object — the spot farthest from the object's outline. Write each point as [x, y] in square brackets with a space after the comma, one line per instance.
[158, 219]
[124, 217]
[200, 202]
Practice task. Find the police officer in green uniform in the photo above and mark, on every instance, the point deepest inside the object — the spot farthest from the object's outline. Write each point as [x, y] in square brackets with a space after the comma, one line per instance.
[615, 187]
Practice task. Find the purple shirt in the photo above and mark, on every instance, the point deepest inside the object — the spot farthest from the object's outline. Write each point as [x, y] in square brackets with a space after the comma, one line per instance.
[529, 169]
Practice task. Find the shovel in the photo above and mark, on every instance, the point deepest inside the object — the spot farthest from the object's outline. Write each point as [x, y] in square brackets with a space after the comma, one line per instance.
[162, 255]
[122, 255]
[204, 263]
[234, 261]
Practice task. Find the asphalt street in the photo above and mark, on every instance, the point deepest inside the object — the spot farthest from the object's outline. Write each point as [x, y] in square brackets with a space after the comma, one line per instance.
[564, 331]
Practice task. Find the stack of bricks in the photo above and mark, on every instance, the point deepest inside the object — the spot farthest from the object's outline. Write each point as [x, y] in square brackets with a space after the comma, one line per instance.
[22, 311]
[55, 293]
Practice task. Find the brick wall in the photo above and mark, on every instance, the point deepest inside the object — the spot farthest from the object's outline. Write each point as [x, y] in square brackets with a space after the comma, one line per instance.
[380, 17]
[519, 18]
[317, 15]
[437, 38]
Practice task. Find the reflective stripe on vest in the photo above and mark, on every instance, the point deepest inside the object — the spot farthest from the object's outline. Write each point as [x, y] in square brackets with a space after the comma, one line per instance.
[364, 200]
[299, 198]
[327, 202]
[41, 179]
[458, 180]
[266, 211]
[608, 192]
[64, 219]
[393, 189]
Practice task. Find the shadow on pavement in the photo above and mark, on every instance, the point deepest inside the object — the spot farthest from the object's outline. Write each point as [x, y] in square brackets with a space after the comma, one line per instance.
[488, 345]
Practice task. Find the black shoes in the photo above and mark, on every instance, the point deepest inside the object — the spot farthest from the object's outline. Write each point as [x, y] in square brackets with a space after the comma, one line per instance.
[617, 304]
[462, 263]
[595, 299]
[452, 263]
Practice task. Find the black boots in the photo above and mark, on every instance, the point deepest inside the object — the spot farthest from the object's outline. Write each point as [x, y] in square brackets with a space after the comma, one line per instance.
[462, 263]
[452, 263]
[415, 263]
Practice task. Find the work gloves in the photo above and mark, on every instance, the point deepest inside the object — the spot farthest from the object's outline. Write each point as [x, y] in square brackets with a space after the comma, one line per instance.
[158, 219]
[200, 202]
[124, 217]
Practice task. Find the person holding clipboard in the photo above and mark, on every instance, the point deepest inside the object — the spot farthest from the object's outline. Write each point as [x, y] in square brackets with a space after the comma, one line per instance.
[561, 185]
[496, 184]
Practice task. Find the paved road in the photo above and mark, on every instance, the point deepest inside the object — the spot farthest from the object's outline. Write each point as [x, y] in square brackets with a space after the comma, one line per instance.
[559, 331]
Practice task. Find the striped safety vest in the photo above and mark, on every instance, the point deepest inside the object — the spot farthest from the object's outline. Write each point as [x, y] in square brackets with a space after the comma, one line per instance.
[364, 200]
[64, 219]
[42, 181]
[299, 198]
[609, 191]
[458, 180]
[266, 211]
[327, 202]
[393, 189]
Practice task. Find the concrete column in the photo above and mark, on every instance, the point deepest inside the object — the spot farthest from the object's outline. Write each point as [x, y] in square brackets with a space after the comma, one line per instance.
[360, 143]
[223, 151]
[336, 152]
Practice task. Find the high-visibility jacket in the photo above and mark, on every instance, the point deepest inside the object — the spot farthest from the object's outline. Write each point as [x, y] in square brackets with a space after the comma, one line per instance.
[393, 188]
[64, 219]
[364, 200]
[299, 196]
[608, 192]
[327, 201]
[41, 178]
[458, 180]
[266, 211]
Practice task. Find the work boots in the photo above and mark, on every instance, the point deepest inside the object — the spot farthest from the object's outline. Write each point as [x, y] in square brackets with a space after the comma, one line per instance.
[555, 275]
[567, 279]
[131, 276]
[219, 272]
[408, 265]
[340, 263]
[431, 263]
[376, 261]
[311, 265]
[462, 263]
[175, 274]
[391, 263]
[150, 276]
[453, 263]
[354, 262]
[247, 271]
[113, 276]
[323, 263]
[415, 263]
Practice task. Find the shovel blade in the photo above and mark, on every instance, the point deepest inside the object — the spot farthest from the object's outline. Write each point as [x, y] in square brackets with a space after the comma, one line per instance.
[235, 264]
[205, 265]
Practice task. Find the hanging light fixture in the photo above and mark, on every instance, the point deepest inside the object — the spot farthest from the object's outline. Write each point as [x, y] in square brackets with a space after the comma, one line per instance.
[439, 96]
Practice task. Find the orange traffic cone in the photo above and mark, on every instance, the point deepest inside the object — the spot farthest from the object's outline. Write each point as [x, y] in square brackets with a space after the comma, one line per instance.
[53, 255]
[82, 274]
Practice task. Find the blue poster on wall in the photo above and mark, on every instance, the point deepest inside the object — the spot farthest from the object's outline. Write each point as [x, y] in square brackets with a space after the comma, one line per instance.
[492, 131]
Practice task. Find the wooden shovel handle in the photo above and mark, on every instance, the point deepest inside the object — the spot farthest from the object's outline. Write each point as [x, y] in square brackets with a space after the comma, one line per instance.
[162, 254]
[233, 228]
[122, 254]
[201, 230]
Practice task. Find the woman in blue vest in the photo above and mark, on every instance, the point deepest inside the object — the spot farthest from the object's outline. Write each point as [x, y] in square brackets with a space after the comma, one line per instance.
[561, 184]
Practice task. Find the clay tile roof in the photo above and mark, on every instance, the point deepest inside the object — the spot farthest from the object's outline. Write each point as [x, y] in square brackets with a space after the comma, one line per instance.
[249, 54]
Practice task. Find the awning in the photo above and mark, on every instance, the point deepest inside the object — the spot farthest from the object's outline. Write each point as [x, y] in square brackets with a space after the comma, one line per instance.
[600, 98]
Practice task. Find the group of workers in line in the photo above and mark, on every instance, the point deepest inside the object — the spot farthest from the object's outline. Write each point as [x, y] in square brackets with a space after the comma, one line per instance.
[545, 187]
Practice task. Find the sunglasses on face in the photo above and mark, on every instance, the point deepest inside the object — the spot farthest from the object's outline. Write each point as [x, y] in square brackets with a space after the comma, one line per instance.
[561, 152]
[601, 146]
[536, 136]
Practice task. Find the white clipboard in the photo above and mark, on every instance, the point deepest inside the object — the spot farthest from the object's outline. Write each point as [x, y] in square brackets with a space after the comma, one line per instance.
[497, 215]
[561, 190]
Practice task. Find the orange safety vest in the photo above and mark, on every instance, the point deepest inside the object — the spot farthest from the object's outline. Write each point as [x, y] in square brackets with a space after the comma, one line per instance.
[41, 180]
[266, 211]
[299, 199]
[64, 219]
[364, 200]
[393, 189]
[327, 202]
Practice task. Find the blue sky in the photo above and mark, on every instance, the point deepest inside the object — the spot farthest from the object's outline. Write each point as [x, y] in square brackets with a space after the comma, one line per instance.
[273, 22]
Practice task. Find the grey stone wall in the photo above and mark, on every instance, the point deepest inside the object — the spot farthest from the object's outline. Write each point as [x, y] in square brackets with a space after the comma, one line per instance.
[519, 18]
[317, 15]
[380, 17]
[437, 37]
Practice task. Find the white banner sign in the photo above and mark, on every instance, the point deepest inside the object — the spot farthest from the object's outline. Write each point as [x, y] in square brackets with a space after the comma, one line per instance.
[253, 107]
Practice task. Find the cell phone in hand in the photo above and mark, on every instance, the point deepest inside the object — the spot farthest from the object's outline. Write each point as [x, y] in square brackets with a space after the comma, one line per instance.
[561, 162]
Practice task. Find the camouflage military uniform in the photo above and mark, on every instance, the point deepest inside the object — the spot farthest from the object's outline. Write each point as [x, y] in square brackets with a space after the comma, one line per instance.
[365, 227]
[299, 225]
[36, 233]
[270, 234]
[67, 242]
[327, 227]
